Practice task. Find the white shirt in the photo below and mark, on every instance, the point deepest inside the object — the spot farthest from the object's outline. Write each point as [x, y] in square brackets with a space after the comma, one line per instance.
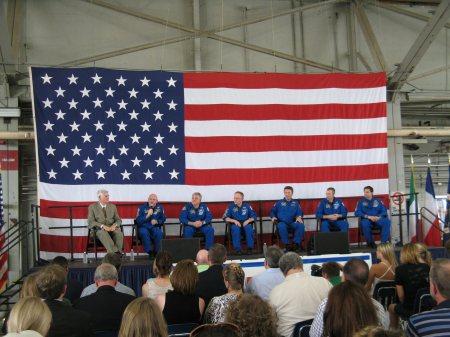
[297, 299]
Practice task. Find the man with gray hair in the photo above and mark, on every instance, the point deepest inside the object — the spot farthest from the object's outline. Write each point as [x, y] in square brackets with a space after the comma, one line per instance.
[297, 298]
[262, 284]
[434, 322]
[103, 216]
[106, 305]
[196, 217]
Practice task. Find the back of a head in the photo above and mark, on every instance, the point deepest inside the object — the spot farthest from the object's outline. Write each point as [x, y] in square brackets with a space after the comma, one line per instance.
[163, 263]
[142, 317]
[376, 331]
[440, 276]
[202, 257]
[114, 259]
[331, 269]
[105, 272]
[184, 277]
[29, 288]
[387, 251]
[290, 261]
[217, 254]
[51, 282]
[424, 254]
[30, 313]
[349, 309]
[409, 254]
[216, 330]
[61, 261]
[273, 256]
[253, 315]
[356, 271]
[235, 276]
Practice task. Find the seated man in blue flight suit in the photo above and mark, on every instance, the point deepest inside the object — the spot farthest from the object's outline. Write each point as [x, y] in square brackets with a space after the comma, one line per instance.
[373, 213]
[289, 216]
[332, 212]
[149, 219]
[195, 216]
[240, 215]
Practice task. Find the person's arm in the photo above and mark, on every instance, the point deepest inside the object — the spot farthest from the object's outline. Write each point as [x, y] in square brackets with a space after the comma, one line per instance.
[359, 210]
[145, 289]
[343, 211]
[117, 219]
[372, 273]
[184, 216]
[208, 216]
[252, 216]
[316, 329]
[298, 213]
[201, 305]
[319, 211]
[161, 217]
[92, 220]
[274, 211]
[400, 292]
[142, 216]
[382, 211]
[161, 301]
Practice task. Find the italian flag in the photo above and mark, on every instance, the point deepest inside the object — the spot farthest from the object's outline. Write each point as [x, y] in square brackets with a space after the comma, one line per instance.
[412, 235]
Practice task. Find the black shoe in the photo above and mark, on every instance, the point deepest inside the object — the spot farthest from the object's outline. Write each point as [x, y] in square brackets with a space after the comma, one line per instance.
[238, 253]
[297, 248]
[372, 245]
[249, 251]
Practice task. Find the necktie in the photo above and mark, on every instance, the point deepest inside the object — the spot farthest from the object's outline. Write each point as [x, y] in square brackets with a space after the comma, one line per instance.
[104, 211]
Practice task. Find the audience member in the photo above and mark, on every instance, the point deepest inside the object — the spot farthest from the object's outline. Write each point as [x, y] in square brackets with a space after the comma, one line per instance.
[66, 321]
[357, 272]
[182, 305]
[116, 261]
[210, 282]
[385, 270]
[106, 305]
[74, 288]
[30, 317]
[436, 321]
[162, 266]
[410, 276]
[253, 315]
[29, 288]
[349, 309]
[202, 260]
[298, 297]
[216, 330]
[424, 254]
[262, 284]
[143, 318]
[376, 331]
[332, 272]
[234, 278]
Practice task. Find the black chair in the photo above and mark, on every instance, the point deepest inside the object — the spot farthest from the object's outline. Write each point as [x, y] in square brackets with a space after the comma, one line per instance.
[93, 244]
[276, 236]
[385, 292]
[180, 329]
[374, 229]
[136, 240]
[228, 235]
[423, 301]
[301, 329]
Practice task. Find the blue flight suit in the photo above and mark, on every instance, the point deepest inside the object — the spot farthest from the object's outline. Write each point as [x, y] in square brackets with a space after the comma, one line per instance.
[328, 208]
[286, 212]
[241, 214]
[147, 231]
[202, 213]
[373, 207]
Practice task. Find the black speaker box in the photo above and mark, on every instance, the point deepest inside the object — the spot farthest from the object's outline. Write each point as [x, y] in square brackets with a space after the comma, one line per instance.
[330, 243]
[181, 249]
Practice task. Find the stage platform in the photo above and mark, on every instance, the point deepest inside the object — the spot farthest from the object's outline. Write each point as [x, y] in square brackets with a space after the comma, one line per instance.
[135, 273]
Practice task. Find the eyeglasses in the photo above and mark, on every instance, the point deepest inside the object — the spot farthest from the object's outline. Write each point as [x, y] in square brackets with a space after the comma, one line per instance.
[233, 329]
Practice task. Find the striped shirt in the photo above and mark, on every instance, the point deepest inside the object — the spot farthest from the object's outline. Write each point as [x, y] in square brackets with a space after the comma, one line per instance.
[434, 323]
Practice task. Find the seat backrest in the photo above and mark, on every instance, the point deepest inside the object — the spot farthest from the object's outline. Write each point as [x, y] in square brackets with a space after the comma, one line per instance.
[304, 330]
[184, 328]
[423, 301]
[299, 326]
[385, 292]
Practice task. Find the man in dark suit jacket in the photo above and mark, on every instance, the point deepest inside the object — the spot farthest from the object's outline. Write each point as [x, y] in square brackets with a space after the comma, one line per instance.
[210, 282]
[106, 305]
[66, 321]
[74, 288]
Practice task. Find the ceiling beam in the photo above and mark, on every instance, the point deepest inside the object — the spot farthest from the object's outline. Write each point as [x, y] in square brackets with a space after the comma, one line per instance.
[199, 33]
[428, 73]
[369, 35]
[351, 37]
[419, 47]
[15, 23]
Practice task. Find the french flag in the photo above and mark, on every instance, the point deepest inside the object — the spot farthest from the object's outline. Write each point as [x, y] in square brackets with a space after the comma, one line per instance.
[431, 229]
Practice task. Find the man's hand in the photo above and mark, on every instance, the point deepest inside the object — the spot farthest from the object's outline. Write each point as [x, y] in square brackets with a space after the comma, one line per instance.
[154, 222]
[198, 224]
[113, 227]
[299, 219]
[149, 212]
[334, 217]
[273, 220]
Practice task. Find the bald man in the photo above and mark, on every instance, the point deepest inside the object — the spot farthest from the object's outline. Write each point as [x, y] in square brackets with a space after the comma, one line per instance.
[202, 260]
[150, 219]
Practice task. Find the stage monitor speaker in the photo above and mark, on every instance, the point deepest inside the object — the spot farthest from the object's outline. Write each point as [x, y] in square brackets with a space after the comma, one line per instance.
[182, 248]
[331, 243]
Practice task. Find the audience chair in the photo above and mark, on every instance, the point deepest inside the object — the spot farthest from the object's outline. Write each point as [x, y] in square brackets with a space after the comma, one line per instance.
[180, 329]
[385, 292]
[423, 301]
[301, 329]
[228, 240]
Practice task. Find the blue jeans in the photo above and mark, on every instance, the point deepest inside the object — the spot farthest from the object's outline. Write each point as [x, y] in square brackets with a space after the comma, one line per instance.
[207, 230]
[150, 235]
[383, 223]
[236, 236]
[284, 228]
[341, 224]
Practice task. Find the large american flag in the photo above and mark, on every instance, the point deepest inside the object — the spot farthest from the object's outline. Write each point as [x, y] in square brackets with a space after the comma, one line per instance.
[173, 133]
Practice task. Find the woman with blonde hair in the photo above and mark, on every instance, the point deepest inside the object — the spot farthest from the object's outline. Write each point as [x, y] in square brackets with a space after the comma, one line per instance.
[385, 270]
[29, 317]
[234, 278]
[423, 253]
[411, 275]
[29, 288]
[143, 318]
